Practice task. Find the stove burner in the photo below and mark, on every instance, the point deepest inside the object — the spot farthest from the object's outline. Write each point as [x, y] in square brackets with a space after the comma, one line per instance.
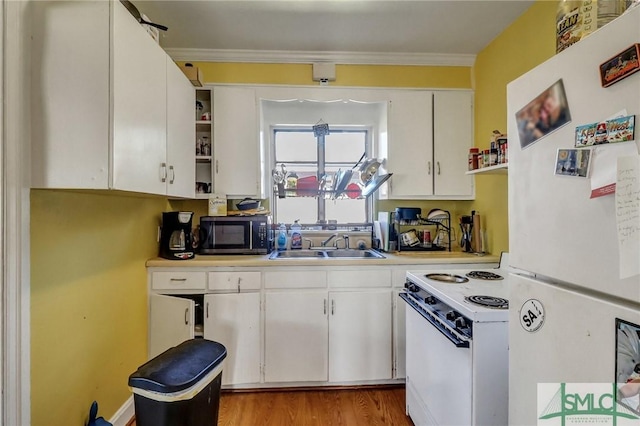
[447, 278]
[489, 301]
[484, 275]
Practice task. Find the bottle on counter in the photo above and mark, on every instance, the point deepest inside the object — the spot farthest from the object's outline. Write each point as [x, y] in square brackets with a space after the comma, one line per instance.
[282, 237]
[296, 235]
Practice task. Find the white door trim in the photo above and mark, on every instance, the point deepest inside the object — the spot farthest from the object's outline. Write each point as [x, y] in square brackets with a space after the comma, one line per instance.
[15, 152]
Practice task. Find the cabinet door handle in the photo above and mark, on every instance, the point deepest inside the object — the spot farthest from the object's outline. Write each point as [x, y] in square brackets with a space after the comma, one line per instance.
[429, 167]
[172, 173]
[333, 306]
[207, 309]
[181, 280]
[325, 306]
[438, 163]
[163, 172]
[239, 279]
[216, 166]
[186, 316]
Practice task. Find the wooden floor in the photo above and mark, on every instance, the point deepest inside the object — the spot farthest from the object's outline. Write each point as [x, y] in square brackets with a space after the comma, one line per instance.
[327, 407]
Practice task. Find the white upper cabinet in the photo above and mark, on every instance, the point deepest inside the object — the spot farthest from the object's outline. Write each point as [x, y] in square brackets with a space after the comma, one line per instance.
[100, 95]
[181, 133]
[429, 135]
[70, 106]
[452, 138]
[236, 146]
[139, 107]
[410, 144]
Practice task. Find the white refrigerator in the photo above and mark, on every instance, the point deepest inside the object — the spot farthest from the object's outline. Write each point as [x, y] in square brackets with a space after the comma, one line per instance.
[570, 309]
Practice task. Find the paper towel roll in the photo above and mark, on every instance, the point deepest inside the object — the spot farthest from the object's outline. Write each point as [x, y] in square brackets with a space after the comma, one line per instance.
[476, 238]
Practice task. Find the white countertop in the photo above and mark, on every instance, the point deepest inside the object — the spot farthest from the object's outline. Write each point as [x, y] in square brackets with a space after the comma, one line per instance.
[391, 259]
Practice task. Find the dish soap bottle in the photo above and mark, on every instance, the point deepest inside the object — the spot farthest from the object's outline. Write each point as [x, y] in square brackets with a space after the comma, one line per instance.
[282, 237]
[296, 236]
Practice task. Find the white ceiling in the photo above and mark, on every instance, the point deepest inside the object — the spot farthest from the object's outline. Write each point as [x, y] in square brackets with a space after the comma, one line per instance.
[363, 30]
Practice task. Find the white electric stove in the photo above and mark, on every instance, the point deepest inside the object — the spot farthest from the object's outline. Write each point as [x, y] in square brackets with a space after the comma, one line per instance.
[457, 346]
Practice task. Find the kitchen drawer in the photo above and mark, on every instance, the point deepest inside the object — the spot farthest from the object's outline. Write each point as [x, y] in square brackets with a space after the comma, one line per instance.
[360, 278]
[179, 280]
[234, 281]
[295, 279]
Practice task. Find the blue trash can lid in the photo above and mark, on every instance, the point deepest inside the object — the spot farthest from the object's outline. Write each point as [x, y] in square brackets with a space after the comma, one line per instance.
[180, 367]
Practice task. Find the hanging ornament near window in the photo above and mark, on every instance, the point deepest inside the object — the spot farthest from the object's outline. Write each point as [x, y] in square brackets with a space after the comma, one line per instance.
[320, 129]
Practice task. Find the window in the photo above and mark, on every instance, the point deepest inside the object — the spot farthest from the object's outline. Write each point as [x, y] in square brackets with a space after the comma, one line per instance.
[356, 127]
[317, 161]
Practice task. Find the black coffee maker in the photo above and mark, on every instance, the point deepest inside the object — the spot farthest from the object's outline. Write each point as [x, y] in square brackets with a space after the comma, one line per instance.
[175, 237]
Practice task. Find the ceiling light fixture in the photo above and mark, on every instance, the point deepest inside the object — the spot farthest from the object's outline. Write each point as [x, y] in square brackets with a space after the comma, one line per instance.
[324, 72]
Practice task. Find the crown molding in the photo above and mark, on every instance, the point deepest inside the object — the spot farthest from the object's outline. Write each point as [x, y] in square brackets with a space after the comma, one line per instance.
[304, 57]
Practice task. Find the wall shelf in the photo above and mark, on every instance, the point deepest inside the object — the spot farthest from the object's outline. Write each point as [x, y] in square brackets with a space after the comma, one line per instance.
[498, 169]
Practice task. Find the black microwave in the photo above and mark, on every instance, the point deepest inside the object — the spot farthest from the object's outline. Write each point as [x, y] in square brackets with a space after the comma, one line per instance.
[235, 234]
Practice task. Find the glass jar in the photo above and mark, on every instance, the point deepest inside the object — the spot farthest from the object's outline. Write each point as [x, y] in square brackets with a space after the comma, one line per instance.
[206, 146]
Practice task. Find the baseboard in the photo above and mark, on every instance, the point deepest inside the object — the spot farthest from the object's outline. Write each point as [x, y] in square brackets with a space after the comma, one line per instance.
[123, 416]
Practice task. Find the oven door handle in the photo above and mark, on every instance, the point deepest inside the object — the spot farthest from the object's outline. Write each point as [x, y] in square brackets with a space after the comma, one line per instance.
[453, 338]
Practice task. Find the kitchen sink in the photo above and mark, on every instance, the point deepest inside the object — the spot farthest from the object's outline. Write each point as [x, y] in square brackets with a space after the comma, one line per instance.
[298, 254]
[326, 254]
[354, 254]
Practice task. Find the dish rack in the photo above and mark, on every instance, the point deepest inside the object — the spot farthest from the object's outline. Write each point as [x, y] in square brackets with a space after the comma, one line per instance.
[438, 227]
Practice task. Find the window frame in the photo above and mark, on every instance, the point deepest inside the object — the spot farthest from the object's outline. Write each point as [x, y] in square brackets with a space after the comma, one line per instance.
[368, 131]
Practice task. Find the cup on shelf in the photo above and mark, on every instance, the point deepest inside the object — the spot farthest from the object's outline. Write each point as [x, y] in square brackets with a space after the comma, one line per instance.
[203, 187]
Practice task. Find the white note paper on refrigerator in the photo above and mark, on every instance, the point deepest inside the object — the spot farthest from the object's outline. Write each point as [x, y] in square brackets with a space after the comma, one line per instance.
[628, 214]
[603, 166]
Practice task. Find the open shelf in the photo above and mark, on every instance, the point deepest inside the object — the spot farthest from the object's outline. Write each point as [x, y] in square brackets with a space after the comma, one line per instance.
[498, 169]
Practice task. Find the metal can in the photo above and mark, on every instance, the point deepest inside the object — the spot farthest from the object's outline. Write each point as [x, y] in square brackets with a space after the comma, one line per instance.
[473, 158]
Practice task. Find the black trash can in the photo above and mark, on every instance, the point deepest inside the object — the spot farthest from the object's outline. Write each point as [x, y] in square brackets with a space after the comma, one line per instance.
[181, 386]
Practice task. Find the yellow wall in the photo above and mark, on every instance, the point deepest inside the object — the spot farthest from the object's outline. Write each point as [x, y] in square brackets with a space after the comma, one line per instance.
[88, 300]
[346, 75]
[526, 43]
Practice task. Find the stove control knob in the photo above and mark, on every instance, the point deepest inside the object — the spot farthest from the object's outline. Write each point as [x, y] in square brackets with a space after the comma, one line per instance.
[430, 300]
[412, 287]
[461, 322]
[451, 315]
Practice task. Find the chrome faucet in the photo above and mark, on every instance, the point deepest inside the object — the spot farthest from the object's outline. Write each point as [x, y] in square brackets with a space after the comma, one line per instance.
[331, 237]
[346, 240]
[310, 241]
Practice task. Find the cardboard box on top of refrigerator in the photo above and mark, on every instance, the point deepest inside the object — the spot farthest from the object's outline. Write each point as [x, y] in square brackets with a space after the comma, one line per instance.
[193, 74]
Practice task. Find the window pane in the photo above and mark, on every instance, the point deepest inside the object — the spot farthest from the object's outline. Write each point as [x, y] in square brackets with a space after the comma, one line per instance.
[347, 210]
[303, 208]
[295, 146]
[297, 149]
[345, 147]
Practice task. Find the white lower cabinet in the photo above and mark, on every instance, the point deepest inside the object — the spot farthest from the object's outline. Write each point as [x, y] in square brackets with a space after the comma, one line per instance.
[283, 327]
[171, 322]
[296, 330]
[233, 319]
[360, 336]
[315, 335]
